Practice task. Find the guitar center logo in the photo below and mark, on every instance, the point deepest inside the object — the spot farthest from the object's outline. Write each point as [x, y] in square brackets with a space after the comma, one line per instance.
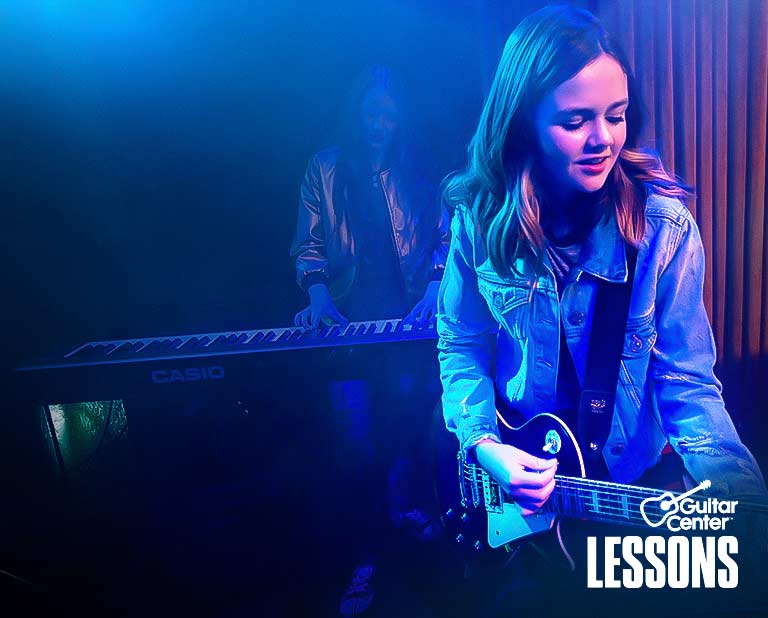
[190, 374]
[684, 513]
[674, 561]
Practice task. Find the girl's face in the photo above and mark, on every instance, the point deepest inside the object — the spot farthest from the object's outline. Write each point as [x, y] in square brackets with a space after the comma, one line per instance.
[580, 128]
[379, 119]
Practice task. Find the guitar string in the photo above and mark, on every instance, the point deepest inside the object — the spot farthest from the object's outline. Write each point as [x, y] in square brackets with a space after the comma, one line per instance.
[618, 509]
[605, 495]
[615, 503]
[570, 488]
[576, 489]
[609, 496]
[611, 507]
[609, 510]
[602, 498]
[566, 483]
[595, 485]
[608, 501]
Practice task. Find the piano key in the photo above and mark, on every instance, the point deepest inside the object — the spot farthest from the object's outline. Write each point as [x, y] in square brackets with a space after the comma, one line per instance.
[88, 352]
[223, 341]
[193, 343]
[216, 341]
[126, 347]
[157, 346]
[256, 338]
[92, 352]
[284, 336]
[333, 331]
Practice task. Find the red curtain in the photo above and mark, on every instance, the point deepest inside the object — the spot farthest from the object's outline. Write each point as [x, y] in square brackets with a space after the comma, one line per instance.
[703, 69]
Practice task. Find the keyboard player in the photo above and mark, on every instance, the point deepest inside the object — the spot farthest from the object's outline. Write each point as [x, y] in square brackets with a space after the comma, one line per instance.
[369, 244]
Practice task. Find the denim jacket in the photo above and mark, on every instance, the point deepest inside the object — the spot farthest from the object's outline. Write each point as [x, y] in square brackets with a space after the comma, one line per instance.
[506, 330]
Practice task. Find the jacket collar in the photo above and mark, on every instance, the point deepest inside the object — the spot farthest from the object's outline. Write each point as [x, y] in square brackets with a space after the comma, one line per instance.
[604, 254]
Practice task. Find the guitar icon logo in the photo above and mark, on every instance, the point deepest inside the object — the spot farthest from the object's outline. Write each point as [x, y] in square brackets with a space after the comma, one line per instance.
[667, 503]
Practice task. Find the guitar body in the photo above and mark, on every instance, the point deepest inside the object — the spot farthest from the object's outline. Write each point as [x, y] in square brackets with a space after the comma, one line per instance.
[546, 430]
[511, 525]
[545, 436]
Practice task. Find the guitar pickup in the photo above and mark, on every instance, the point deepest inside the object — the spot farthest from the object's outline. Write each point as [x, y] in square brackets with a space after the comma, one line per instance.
[494, 501]
[472, 481]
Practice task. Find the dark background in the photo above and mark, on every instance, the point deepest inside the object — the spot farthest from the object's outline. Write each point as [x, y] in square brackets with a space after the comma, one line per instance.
[152, 159]
[154, 151]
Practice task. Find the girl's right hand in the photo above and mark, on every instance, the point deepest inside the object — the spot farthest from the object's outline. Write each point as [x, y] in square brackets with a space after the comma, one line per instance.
[527, 479]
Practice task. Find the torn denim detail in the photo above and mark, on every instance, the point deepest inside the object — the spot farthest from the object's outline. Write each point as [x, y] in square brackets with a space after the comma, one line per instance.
[700, 445]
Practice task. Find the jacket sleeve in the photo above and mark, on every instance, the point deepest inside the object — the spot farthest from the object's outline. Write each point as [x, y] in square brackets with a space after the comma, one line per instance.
[440, 254]
[308, 246]
[688, 394]
[466, 344]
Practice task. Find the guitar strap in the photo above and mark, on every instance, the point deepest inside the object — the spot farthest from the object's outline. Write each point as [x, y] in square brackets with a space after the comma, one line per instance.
[606, 342]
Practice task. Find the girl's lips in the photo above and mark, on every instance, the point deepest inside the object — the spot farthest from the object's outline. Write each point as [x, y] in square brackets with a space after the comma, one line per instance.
[594, 168]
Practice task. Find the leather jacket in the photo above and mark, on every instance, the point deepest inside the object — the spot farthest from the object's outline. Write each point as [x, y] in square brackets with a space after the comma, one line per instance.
[503, 335]
[324, 245]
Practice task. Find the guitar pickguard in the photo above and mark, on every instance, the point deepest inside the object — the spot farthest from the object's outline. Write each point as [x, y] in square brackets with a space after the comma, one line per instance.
[511, 525]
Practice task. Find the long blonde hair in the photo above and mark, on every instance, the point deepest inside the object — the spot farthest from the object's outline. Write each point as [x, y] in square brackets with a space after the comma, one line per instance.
[547, 48]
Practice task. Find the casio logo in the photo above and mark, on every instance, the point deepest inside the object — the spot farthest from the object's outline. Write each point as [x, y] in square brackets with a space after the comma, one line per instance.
[190, 374]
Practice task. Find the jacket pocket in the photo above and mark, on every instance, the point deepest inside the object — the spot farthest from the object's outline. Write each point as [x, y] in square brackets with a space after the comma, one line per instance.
[640, 337]
[509, 303]
[503, 296]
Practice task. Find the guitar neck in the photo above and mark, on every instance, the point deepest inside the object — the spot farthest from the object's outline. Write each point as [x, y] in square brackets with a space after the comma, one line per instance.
[572, 496]
[599, 500]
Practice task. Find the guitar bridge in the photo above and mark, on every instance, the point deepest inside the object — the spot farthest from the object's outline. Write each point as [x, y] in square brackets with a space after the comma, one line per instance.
[494, 501]
[477, 488]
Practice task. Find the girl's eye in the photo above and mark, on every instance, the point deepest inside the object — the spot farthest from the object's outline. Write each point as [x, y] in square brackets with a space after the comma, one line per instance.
[615, 119]
[572, 126]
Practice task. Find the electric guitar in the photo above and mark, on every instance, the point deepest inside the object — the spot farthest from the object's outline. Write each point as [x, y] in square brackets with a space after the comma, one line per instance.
[547, 436]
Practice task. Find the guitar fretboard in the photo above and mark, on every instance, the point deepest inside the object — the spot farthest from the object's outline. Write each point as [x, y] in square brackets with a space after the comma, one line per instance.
[599, 500]
[603, 501]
